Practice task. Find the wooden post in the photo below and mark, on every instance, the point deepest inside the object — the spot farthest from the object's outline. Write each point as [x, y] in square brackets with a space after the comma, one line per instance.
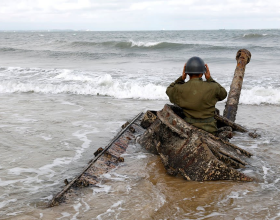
[243, 57]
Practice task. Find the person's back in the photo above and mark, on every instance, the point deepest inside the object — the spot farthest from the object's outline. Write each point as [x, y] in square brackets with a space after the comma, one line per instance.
[197, 97]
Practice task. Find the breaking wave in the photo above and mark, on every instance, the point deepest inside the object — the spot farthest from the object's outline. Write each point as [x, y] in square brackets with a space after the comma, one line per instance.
[259, 37]
[67, 81]
[131, 44]
[107, 86]
[57, 81]
[260, 95]
[250, 36]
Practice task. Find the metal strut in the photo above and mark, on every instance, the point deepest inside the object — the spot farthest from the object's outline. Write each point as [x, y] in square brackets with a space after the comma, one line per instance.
[114, 139]
[67, 187]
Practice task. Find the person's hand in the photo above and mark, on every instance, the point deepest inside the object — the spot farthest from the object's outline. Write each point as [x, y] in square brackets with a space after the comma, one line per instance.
[207, 73]
[184, 75]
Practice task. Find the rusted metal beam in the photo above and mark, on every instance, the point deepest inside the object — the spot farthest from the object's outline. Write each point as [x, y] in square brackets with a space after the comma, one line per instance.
[106, 159]
[243, 57]
[223, 121]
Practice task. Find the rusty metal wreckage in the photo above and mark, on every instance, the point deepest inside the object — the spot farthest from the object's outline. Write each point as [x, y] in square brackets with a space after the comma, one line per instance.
[194, 154]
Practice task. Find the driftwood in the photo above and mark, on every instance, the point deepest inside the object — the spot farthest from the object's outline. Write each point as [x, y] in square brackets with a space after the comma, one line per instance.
[243, 57]
[194, 153]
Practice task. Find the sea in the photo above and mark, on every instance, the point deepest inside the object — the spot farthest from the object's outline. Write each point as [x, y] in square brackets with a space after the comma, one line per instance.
[64, 94]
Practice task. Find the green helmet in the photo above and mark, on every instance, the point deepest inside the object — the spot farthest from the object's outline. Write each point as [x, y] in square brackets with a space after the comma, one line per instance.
[195, 65]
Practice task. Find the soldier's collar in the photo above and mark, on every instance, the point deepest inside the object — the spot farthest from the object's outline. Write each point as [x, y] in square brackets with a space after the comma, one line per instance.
[196, 79]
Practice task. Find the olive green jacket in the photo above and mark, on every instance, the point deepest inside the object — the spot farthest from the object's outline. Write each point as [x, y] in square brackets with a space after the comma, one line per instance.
[198, 99]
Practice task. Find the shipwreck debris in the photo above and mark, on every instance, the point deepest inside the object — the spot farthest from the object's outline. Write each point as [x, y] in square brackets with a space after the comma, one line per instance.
[194, 153]
[243, 57]
[98, 151]
[184, 150]
[105, 160]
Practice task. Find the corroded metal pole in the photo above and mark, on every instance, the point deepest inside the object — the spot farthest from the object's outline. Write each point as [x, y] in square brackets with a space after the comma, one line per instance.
[243, 57]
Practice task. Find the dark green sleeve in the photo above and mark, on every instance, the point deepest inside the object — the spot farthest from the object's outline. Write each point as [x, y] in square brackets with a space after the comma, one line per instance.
[172, 91]
[221, 92]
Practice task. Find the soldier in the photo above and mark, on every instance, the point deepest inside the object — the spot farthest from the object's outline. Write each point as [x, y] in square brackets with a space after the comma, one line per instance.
[196, 97]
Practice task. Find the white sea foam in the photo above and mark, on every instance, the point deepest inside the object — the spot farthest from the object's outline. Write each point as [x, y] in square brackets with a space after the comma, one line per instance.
[276, 216]
[260, 95]
[200, 208]
[77, 208]
[115, 176]
[54, 81]
[143, 44]
[48, 198]
[64, 215]
[17, 170]
[117, 204]
[213, 214]
[32, 179]
[7, 202]
[14, 213]
[234, 195]
[141, 156]
[44, 171]
[265, 169]
[82, 135]
[277, 180]
[253, 35]
[110, 210]
[101, 188]
[247, 171]
[8, 182]
[67, 81]
[87, 207]
[107, 175]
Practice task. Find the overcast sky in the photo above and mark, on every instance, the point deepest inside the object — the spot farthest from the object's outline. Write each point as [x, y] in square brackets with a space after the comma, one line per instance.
[139, 14]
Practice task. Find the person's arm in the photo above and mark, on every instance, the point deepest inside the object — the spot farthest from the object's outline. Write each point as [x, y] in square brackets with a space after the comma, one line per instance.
[171, 90]
[222, 93]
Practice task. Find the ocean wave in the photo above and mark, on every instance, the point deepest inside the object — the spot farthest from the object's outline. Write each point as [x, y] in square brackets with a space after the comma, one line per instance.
[119, 44]
[88, 43]
[257, 36]
[107, 86]
[56, 81]
[132, 44]
[7, 49]
[161, 45]
[256, 39]
[71, 83]
[64, 53]
[258, 95]
[254, 35]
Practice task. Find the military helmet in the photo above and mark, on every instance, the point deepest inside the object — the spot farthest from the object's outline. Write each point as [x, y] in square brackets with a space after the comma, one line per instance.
[195, 65]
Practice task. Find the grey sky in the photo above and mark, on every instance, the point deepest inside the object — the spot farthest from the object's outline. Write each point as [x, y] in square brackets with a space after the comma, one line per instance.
[139, 14]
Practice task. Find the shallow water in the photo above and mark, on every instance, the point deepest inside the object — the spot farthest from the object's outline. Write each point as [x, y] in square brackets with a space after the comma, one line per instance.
[65, 94]
[139, 188]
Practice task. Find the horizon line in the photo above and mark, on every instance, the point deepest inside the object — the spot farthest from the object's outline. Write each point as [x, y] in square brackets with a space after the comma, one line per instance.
[88, 30]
